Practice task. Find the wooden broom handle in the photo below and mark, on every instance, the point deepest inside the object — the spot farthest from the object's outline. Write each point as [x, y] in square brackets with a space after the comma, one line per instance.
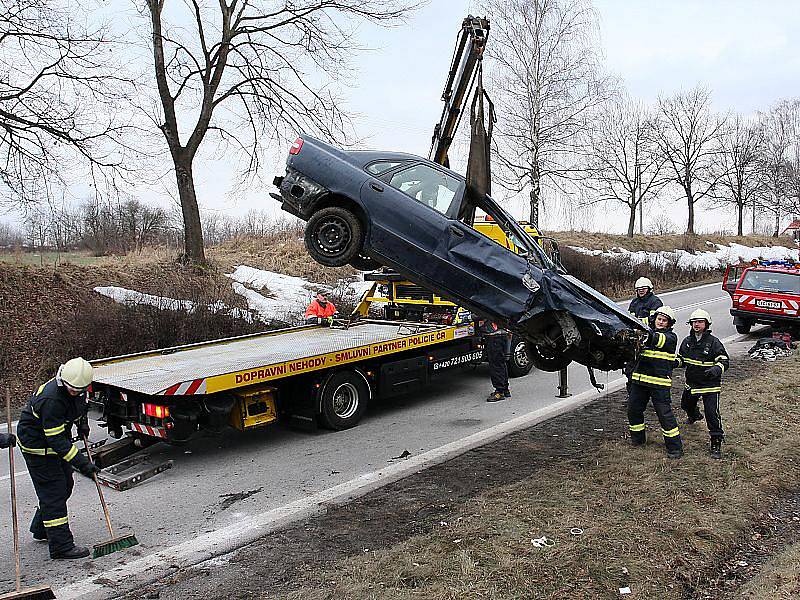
[99, 490]
[15, 526]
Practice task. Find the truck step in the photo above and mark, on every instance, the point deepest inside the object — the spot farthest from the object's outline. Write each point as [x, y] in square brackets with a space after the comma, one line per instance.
[132, 471]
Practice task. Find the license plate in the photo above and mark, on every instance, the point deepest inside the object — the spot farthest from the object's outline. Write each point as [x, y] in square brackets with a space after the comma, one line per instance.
[769, 304]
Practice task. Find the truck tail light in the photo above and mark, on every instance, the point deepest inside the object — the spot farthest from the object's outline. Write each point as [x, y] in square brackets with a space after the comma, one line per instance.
[155, 410]
[296, 146]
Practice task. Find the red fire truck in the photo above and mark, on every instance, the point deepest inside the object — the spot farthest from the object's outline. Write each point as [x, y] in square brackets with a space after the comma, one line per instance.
[765, 292]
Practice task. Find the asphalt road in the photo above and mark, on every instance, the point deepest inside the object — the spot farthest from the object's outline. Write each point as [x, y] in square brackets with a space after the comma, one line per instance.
[219, 482]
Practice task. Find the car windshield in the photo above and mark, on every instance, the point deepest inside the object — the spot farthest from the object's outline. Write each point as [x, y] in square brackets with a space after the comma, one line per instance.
[771, 281]
[428, 185]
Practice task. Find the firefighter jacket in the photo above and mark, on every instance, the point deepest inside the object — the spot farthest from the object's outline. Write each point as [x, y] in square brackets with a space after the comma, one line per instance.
[656, 361]
[642, 308]
[315, 309]
[698, 356]
[45, 425]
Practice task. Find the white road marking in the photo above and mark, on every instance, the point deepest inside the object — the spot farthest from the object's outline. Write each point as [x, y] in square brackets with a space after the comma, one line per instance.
[16, 474]
[699, 287]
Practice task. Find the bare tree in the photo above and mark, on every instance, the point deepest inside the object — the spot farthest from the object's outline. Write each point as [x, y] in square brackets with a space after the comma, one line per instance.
[689, 141]
[546, 69]
[780, 135]
[626, 166]
[54, 89]
[245, 70]
[739, 168]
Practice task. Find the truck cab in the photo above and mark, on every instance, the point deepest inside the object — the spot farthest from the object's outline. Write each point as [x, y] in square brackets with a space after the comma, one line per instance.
[764, 292]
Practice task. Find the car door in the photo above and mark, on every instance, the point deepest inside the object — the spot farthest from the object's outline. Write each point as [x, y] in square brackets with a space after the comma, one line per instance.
[486, 274]
[406, 209]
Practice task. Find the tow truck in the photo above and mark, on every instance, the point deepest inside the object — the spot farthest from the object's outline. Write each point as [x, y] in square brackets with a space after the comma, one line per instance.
[764, 292]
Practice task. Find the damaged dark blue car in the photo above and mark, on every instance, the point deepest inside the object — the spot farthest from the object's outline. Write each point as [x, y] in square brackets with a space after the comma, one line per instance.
[368, 208]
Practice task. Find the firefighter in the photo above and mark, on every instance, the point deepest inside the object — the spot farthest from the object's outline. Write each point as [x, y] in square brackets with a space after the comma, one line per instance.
[644, 303]
[7, 440]
[651, 379]
[44, 432]
[497, 342]
[705, 359]
[320, 310]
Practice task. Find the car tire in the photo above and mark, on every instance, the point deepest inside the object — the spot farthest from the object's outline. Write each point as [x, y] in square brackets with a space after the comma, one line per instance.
[334, 236]
[343, 398]
[545, 360]
[364, 263]
[744, 326]
[520, 363]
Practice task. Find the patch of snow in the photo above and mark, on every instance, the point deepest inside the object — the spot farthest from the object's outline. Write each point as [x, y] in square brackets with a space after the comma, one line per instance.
[685, 260]
[128, 297]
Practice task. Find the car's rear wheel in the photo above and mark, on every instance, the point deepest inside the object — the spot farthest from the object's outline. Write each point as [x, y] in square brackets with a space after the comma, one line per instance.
[334, 236]
[520, 363]
[547, 359]
[744, 326]
[343, 399]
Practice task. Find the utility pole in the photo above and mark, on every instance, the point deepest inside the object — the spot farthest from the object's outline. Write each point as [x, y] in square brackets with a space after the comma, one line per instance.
[637, 184]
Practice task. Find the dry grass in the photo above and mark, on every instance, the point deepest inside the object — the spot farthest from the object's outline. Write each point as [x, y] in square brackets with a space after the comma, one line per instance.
[779, 579]
[648, 523]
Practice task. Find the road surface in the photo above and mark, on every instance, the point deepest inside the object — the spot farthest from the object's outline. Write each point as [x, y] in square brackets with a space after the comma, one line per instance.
[220, 483]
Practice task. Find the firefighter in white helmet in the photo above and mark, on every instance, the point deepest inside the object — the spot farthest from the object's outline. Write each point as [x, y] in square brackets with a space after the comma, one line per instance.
[45, 438]
[642, 306]
[651, 380]
[705, 359]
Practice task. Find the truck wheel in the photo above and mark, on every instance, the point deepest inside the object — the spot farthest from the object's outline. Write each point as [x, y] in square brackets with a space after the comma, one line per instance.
[342, 400]
[744, 326]
[546, 359]
[334, 236]
[520, 363]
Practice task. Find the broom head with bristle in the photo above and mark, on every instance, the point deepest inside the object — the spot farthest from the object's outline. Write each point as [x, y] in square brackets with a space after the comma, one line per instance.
[41, 592]
[113, 545]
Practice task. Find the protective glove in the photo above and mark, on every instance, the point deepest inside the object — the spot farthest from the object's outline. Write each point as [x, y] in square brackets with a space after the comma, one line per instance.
[714, 371]
[7, 440]
[329, 321]
[89, 470]
[83, 427]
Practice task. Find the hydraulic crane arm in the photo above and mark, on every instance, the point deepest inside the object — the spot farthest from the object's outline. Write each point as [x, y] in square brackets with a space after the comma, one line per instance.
[460, 80]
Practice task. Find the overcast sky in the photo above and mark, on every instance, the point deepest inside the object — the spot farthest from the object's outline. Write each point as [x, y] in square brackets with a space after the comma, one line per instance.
[746, 52]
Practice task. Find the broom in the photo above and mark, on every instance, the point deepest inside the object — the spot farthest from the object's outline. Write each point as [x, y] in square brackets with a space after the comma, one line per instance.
[41, 592]
[114, 544]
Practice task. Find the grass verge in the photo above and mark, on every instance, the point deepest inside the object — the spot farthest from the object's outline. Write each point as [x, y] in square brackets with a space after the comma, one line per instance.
[659, 527]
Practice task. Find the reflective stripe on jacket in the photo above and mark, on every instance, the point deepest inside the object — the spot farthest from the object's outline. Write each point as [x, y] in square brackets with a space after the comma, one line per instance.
[45, 424]
[656, 360]
[698, 356]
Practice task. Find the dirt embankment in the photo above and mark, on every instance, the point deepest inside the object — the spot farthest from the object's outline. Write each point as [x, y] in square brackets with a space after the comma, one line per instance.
[618, 517]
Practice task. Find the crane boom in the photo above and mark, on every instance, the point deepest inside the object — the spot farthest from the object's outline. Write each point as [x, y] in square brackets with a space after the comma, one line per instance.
[465, 65]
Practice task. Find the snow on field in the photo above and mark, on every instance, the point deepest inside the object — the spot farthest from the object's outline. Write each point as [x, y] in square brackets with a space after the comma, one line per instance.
[712, 259]
[284, 297]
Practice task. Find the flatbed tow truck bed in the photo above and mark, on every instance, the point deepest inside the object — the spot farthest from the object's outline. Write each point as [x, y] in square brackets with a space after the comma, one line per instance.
[223, 365]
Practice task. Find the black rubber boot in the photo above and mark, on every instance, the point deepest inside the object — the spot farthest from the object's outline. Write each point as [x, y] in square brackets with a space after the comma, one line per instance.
[716, 448]
[698, 416]
[675, 454]
[507, 394]
[72, 553]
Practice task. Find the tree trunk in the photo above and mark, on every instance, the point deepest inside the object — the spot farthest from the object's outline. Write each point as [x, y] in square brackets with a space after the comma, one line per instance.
[777, 222]
[740, 226]
[690, 202]
[193, 232]
[632, 219]
[536, 190]
[754, 216]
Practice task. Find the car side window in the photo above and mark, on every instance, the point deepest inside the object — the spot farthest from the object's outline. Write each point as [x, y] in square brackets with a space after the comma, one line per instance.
[382, 166]
[428, 185]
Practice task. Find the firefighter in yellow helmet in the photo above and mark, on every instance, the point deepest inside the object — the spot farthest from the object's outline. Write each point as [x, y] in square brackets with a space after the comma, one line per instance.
[651, 380]
[705, 359]
[44, 436]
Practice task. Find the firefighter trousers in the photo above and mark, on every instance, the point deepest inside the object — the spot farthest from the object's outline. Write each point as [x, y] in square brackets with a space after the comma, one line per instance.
[52, 480]
[710, 404]
[638, 398]
[496, 357]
